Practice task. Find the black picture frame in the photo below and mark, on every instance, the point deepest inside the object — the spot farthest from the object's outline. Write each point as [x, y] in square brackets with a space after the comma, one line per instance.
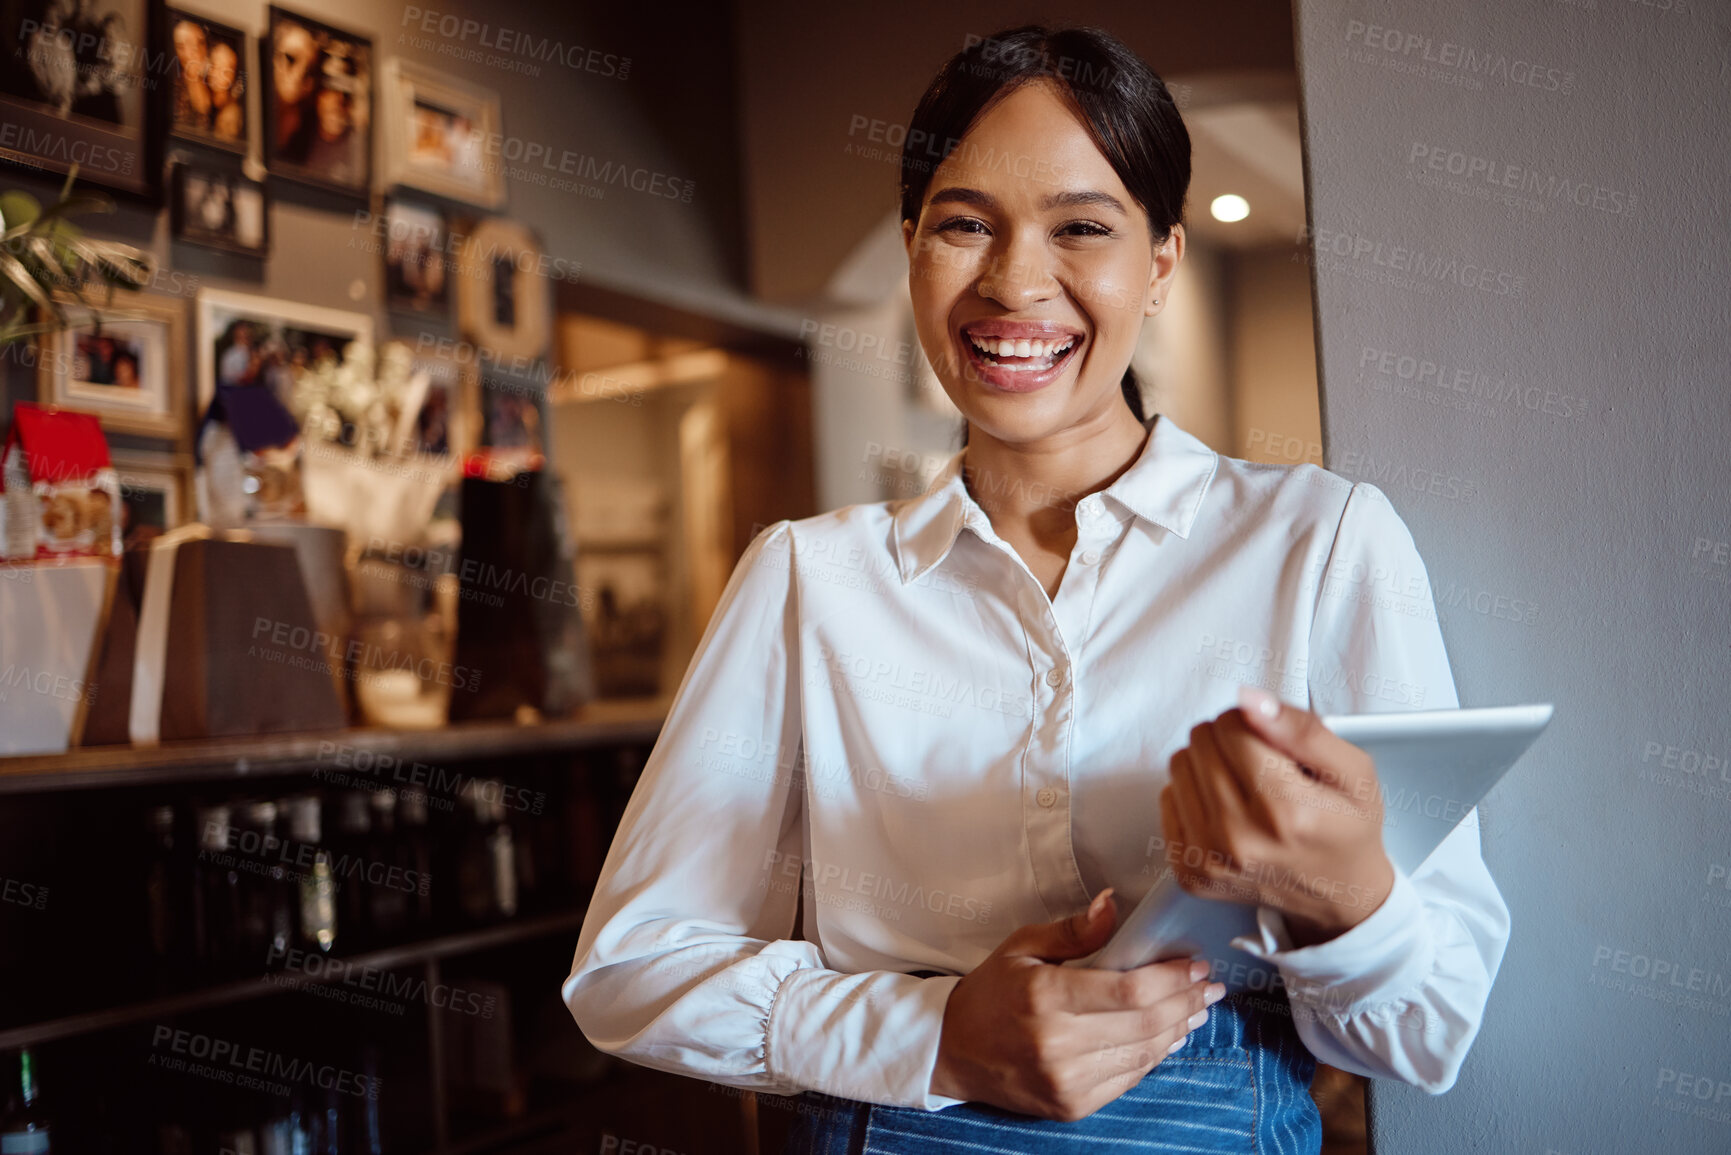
[196, 227]
[418, 269]
[179, 111]
[321, 60]
[65, 102]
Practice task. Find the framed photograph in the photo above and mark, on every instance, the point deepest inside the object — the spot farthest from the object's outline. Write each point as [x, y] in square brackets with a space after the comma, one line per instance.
[155, 492]
[510, 415]
[73, 90]
[436, 128]
[441, 424]
[503, 303]
[129, 370]
[208, 76]
[248, 340]
[417, 275]
[318, 102]
[507, 415]
[220, 210]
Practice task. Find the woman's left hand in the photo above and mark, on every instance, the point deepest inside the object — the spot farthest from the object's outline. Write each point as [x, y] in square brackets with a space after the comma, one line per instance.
[1245, 823]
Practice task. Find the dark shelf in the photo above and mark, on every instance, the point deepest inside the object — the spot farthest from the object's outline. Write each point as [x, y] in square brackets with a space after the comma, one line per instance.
[566, 1116]
[537, 1124]
[241, 990]
[608, 723]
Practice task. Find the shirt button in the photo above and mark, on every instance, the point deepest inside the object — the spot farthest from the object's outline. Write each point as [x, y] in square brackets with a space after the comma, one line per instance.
[1054, 677]
[1090, 557]
[1090, 508]
[1047, 797]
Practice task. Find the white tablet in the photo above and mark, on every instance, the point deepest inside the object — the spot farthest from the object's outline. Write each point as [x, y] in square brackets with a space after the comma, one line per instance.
[1434, 766]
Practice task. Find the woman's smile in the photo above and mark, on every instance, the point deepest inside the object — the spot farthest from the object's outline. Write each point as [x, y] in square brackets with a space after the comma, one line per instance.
[1017, 356]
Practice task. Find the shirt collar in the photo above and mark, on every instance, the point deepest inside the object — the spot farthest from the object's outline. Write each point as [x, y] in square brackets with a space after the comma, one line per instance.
[1164, 486]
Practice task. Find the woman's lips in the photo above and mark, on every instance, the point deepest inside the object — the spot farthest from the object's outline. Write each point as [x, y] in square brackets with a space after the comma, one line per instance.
[1018, 358]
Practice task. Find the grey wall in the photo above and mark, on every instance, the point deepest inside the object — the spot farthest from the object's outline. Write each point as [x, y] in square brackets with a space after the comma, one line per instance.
[1574, 525]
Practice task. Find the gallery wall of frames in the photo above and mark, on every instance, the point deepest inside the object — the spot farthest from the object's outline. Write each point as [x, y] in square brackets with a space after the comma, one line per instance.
[330, 179]
[152, 101]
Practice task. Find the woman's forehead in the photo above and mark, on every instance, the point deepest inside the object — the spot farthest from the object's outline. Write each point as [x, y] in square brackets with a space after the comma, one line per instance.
[1028, 146]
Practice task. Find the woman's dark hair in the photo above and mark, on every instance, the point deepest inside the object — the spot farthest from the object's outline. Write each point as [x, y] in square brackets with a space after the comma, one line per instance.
[1123, 103]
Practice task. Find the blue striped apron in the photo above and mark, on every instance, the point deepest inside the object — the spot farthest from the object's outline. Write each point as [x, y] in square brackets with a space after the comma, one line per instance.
[1240, 1084]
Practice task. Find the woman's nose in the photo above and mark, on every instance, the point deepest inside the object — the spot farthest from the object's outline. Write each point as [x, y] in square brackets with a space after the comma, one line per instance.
[1018, 276]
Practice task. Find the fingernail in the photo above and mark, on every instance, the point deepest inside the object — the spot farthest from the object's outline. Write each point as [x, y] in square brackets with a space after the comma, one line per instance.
[1197, 1019]
[1214, 993]
[1256, 700]
[1198, 971]
[1098, 906]
[1178, 1046]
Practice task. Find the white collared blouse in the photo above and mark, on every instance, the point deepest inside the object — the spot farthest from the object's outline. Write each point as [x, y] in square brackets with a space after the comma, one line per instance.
[889, 723]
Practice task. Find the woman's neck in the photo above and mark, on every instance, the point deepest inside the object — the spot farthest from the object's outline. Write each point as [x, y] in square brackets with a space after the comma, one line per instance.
[1030, 489]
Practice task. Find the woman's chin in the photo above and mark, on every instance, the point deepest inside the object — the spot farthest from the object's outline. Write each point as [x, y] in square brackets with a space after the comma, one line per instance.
[1018, 419]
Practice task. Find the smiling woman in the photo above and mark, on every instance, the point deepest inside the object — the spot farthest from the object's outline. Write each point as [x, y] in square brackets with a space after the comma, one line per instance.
[1025, 645]
[1102, 197]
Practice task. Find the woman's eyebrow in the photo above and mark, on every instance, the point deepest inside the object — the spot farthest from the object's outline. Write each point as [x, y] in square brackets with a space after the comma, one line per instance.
[1080, 198]
[969, 196]
[1074, 198]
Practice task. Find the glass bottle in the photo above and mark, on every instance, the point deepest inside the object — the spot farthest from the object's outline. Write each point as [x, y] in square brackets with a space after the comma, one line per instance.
[388, 897]
[528, 847]
[301, 1127]
[316, 921]
[487, 866]
[277, 1135]
[267, 901]
[24, 1130]
[416, 845]
[280, 881]
[165, 890]
[216, 891]
[237, 1141]
[330, 1140]
[352, 847]
[370, 1141]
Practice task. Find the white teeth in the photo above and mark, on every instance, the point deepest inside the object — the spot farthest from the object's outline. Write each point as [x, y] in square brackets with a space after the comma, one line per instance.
[1022, 348]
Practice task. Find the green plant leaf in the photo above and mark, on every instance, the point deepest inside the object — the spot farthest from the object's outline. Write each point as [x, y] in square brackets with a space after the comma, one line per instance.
[19, 208]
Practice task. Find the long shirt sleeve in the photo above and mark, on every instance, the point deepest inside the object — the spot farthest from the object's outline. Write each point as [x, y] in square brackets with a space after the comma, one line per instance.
[684, 961]
[1401, 994]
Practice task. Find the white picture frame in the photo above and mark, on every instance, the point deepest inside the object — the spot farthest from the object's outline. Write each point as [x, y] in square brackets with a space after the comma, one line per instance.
[436, 129]
[148, 472]
[219, 309]
[504, 304]
[149, 332]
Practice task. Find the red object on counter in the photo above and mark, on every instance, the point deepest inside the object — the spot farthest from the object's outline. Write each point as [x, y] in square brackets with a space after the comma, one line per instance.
[60, 445]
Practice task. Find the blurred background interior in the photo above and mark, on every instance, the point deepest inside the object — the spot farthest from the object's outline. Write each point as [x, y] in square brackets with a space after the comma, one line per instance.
[319, 894]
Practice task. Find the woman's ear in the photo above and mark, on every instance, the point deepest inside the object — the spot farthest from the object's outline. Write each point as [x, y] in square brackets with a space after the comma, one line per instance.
[1164, 270]
[908, 239]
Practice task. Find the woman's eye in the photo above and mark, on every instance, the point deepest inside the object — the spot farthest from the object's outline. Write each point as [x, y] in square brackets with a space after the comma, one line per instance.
[1084, 229]
[971, 226]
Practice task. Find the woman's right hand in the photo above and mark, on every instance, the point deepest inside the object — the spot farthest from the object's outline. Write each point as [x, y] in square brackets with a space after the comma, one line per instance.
[1061, 1042]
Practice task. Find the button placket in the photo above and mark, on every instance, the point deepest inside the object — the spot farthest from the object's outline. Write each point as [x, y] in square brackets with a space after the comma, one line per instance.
[1045, 783]
[1056, 869]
